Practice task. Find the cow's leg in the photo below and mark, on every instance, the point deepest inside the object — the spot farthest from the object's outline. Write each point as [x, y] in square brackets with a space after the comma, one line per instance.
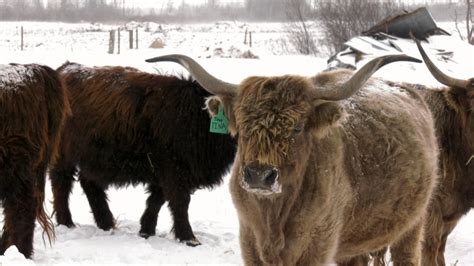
[407, 250]
[19, 218]
[98, 202]
[17, 193]
[5, 241]
[378, 257]
[179, 204]
[62, 178]
[150, 216]
[440, 258]
[448, 228]
[248, 246]
[434, 229]
[431, 246]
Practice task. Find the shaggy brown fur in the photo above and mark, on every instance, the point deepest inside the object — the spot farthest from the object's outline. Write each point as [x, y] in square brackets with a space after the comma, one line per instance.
[130, 127]
[33, 106]
[452, 109]
[356, 175]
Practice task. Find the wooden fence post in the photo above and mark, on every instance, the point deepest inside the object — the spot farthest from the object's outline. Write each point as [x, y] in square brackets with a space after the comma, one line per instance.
[245, 36]
[250, 39]
[111, 41]
[136, 38]
[118, 41]
[21, 45]
[130, 39]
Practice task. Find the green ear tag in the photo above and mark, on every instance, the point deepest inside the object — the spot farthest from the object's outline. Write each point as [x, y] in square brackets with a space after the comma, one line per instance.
[219, 123]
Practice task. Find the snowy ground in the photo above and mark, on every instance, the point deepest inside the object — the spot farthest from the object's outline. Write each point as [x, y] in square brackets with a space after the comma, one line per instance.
[212, 215]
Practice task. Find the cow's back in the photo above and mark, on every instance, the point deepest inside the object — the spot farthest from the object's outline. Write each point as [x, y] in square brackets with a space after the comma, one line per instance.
[128, 123]
[33, 105]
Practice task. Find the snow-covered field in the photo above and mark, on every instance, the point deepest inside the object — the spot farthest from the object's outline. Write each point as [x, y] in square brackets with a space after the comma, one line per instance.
[212, 215]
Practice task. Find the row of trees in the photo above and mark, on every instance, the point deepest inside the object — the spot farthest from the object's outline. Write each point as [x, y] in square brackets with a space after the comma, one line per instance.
[60, 10]
[115, 10]
[175, 10]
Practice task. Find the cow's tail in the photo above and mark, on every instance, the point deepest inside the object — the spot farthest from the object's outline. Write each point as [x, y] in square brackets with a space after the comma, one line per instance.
[58, 110]
[43, 219]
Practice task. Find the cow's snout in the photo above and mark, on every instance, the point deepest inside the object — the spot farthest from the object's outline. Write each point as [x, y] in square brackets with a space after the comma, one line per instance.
[261, 177]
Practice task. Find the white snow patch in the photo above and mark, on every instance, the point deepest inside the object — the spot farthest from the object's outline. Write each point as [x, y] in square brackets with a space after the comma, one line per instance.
[14, 257]
[14, 76]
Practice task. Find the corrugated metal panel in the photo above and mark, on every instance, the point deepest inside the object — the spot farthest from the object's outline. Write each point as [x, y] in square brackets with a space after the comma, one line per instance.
[420, 22]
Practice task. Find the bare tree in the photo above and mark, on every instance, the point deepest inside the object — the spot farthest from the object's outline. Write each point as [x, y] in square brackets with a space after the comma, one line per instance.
[212, 3]
[298, 30]
[265, 9]
[469, 22]
[342, 19]
[249, 5]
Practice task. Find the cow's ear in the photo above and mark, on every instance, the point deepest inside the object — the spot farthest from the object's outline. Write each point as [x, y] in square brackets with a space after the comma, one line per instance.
[212, 105]
[325, 116]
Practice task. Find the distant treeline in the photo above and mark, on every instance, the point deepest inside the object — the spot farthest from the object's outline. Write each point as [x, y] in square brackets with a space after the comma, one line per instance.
[170, 10]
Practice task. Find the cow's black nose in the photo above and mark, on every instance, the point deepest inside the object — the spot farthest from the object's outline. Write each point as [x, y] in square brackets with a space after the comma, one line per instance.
[269, 176]
[260, 177]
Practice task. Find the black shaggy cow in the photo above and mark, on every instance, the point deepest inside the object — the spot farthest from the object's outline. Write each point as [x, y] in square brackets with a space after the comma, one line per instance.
[130, 127]
[33, 106]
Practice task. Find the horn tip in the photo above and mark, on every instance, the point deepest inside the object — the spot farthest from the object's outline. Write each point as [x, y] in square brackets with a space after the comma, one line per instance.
[150, 60]
[413, 59]
[403, 57]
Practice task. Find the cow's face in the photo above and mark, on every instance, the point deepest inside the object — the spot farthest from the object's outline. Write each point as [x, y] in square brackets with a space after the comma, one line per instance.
[275, 120]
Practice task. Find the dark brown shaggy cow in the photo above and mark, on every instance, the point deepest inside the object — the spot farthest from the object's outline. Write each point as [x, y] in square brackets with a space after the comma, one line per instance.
[33, 106]
[453, 111]
[131, 127]
[325, 171]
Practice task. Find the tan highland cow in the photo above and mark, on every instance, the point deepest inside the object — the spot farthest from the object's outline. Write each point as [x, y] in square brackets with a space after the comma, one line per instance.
[327, 168]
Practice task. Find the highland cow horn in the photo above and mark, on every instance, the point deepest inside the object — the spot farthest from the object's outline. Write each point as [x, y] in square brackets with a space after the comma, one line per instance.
[440, 76]
[207, 81]
[351, 86]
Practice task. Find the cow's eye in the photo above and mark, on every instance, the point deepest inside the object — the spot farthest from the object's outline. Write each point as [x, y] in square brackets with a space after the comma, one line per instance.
[297, 129]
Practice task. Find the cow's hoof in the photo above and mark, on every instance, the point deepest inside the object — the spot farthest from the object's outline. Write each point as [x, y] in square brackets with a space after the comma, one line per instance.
[66, 222]
[68, 225]
[192, 242]
[146, 235]
[106, 225]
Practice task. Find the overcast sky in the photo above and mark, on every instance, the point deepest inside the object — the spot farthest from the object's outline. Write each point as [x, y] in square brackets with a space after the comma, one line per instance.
[161, 3]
